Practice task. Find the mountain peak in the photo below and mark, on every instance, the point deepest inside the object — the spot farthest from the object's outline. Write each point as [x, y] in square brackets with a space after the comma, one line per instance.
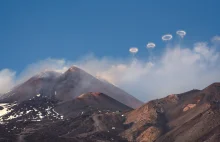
[67, 86]
[214, 87]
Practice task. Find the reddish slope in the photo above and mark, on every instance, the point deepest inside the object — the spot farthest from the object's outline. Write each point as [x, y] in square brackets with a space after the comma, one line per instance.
[191, 116]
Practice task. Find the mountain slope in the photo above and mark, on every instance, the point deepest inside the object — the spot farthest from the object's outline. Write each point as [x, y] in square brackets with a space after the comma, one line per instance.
[58, 113]
[191, 116]
[90, 101]
[90, 117]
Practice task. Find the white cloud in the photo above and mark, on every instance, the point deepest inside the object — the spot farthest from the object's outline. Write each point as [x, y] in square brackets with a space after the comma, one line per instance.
[43, 65]
[7, 78]
[176, 71]
[216, 39]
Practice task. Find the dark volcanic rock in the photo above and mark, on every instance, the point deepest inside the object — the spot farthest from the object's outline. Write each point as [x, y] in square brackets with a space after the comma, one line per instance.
[89, 117]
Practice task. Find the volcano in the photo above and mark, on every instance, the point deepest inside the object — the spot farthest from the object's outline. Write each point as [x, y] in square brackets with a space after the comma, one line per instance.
[71, 107]
[67, 86]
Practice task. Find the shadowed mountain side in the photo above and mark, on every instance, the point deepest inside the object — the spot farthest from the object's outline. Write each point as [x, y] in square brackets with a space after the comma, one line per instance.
[41, 83]
[89, 102]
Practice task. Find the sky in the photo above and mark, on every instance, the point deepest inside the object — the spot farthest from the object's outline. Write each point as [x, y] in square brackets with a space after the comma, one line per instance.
[36, 32]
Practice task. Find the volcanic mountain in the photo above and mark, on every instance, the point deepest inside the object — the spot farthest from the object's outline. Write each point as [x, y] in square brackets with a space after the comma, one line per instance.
[67, 86]
[71, 107]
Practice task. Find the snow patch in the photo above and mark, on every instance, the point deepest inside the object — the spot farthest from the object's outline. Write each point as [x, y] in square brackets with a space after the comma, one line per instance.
[38, 95]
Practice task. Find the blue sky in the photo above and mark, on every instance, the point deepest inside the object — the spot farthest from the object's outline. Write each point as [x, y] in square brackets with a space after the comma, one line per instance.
[32, 30]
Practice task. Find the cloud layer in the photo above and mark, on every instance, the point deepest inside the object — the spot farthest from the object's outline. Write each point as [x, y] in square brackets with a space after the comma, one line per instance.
[177, 70]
